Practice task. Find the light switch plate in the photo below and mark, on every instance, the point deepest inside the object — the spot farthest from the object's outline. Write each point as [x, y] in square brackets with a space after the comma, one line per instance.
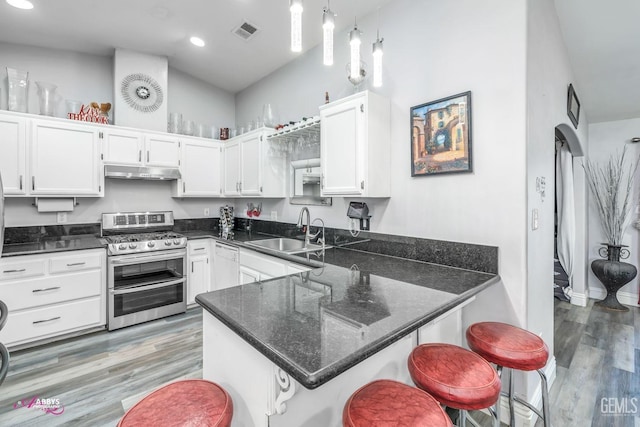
[274, 215]
[534, 219]
[61, 217]
[206, 212]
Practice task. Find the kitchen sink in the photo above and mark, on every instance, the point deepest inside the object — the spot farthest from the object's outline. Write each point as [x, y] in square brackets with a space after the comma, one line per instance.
[286, 245]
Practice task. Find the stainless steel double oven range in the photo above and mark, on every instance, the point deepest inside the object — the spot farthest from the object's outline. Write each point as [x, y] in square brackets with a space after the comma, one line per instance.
[146, 267]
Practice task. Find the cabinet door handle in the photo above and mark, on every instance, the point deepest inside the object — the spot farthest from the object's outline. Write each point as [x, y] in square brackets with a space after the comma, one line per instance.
[192, 266]
[147, 156]
[46, 289]
[240, 185]
[199, 249]
[15, 271]
[362, 108]
[139, 155]
[75, 264]
[322, 182]
[47, 320]
[33, 182]
[362, 185]
[184, 187]
[21, 182]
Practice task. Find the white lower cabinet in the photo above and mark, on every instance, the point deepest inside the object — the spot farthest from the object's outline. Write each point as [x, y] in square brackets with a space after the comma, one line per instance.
[256, 266]
[49, 295]
[199, 268]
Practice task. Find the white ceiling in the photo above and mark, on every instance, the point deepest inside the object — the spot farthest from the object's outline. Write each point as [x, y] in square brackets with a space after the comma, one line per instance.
[601, 37]
[163, 27]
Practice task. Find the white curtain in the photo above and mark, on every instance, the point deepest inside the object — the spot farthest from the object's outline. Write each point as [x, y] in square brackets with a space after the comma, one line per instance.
[566, 210]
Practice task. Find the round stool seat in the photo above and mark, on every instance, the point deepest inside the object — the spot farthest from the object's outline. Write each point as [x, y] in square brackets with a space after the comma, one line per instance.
[390, 403]
[456, 377]
[182, 403]
[508, 345]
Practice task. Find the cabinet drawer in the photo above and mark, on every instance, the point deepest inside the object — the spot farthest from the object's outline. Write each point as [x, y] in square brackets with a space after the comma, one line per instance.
[199, 247]
[65, 264]
[27, 325]
[49, 290]
[12, 270]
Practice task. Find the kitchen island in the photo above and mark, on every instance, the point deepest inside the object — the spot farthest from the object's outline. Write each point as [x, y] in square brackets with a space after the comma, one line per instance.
[291, 350]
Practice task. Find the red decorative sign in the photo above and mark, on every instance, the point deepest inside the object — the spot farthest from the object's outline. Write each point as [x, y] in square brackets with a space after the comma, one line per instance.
[89, 114]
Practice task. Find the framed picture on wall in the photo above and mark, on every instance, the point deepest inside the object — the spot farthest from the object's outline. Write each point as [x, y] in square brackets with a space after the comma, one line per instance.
[441, 136]
[573, 106]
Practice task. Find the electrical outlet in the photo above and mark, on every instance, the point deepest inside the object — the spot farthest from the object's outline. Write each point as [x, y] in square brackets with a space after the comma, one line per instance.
[206, 212]
[274, 215]
[61, 217]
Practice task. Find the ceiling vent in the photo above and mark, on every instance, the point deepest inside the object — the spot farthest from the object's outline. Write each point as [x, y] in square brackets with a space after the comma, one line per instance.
[245, 31]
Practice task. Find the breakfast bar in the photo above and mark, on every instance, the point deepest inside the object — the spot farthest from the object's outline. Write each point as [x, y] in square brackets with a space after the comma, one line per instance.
[291, 350]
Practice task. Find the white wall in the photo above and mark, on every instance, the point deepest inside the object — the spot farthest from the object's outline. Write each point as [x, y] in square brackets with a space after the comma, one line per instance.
[605, 139]
[120, 195]
[89, 78]
[433, 49]
[548, 76]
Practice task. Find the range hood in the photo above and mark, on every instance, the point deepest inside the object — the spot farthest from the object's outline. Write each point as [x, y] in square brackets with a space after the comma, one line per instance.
[141, 172]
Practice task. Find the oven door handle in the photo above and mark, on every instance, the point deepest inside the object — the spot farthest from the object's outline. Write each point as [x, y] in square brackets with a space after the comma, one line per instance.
[146, 288]
[155, 257]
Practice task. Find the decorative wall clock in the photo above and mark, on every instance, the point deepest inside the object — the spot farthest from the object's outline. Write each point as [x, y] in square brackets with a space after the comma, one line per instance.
[142, 92]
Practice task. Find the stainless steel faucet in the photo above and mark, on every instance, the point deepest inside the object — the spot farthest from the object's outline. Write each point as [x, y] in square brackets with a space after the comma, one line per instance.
[305, 228]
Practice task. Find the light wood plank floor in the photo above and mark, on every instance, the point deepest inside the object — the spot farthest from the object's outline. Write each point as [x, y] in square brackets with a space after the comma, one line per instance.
[98, 376]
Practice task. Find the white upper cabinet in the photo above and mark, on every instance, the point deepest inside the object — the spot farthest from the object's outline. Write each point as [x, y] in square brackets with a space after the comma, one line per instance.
[200, 167]
[64, 159]
[123, 147]
[251, 169]
[13, 152]
[162, 150]
[231, 155]
[356, 146]
[126, 147]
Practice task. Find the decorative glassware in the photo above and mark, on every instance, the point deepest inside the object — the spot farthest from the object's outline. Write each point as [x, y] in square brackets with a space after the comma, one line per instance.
[269, 116]
[188, 127]
[47, 98]
[73, 106]
[175, 123]
[18, 90]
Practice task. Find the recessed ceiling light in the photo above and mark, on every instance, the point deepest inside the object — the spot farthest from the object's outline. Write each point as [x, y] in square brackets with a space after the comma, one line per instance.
[21, 4]
[197, 41]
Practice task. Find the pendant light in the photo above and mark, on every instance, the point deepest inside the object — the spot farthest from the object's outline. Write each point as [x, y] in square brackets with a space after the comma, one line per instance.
[355, 42]
[377, 61]
[295, 6]
[328, 24]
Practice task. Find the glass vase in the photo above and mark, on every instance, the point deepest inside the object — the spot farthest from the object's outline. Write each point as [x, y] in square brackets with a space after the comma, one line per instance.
[18, 85]
[269, 116]
[46, 98]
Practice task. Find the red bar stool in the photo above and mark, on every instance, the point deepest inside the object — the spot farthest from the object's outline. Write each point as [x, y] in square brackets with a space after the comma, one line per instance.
[182, 403]
[455, 377]
[513, 348]
[390, 403]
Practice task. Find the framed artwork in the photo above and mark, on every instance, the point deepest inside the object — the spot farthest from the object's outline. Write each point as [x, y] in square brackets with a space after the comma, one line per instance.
[441, 136]
[573, 106]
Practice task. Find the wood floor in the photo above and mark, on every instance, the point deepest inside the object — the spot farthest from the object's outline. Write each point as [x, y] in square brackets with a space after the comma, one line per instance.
[98, 376]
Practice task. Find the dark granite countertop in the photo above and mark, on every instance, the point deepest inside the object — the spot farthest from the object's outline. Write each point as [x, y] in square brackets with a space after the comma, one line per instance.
[55, 244]
[317, 325]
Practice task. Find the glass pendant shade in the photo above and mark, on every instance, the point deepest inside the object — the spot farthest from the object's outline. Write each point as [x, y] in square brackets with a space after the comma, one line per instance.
[355, 42]
[328, 24]
[377, 63]
[296, 25]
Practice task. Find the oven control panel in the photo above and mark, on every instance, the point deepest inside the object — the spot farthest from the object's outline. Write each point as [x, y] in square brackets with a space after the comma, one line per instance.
[120, 220]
